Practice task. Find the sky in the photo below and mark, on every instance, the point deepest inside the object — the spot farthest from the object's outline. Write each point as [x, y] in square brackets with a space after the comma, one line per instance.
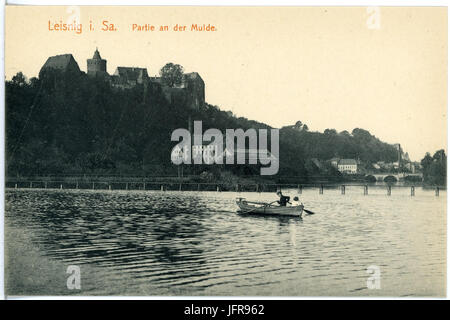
[380, 69]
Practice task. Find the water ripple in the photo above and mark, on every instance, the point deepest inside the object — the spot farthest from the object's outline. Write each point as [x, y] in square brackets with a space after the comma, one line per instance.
[195, 243]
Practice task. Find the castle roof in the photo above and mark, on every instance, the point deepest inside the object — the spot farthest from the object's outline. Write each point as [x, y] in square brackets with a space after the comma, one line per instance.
[97, 55]
[193, 76]
[62, 62]
[132, 74]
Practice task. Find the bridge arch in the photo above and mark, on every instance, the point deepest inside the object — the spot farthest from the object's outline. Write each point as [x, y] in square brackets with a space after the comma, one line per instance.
[390, 179]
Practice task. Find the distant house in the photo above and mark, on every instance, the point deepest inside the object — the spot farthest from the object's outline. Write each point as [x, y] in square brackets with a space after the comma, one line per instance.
[349, 166]
[317, 163]
[411, 166]
[334, 162]
[383, 165]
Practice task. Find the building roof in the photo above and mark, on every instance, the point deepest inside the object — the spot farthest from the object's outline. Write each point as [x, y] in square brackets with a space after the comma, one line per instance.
[97, 55]
[62, 61]
[346, 162]
[133, 74]
[317, 162]
[192, 75]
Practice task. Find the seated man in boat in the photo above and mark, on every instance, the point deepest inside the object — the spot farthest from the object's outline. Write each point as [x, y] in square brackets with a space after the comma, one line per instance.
[283, 199]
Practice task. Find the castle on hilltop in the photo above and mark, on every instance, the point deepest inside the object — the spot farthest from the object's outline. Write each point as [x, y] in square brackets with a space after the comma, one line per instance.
[191, 90]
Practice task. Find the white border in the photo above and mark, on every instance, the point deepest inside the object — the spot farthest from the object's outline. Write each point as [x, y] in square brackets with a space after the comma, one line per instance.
[391, 3]
[2, 155]
[227, 3]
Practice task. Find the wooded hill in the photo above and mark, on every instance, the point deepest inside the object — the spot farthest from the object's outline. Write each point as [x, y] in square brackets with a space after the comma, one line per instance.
[65, 123]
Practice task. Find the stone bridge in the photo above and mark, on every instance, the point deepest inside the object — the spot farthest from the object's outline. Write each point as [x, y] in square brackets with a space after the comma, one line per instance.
[398, 176]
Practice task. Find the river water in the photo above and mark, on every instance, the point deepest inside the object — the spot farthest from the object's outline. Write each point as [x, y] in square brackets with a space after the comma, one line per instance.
[195, 243]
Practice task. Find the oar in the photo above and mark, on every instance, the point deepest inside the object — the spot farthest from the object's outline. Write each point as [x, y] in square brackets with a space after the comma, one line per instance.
[307, 211]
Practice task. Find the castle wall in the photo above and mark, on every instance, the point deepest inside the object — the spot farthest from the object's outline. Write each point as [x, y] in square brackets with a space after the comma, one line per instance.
[196, 89]
[176, 96]
[190, 92]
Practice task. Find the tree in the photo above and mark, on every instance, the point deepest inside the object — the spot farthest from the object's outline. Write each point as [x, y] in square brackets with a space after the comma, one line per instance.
[19, 79]
[171, 74]
[298, 125]
[440, 156]
[34, 82]
[330, 131]
[435, 168]
[426, 161]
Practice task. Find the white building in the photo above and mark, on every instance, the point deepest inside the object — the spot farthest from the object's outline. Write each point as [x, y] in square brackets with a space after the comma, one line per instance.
[348, 166]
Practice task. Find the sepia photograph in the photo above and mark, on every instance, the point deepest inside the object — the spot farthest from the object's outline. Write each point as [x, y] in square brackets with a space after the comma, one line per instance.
[225, 151]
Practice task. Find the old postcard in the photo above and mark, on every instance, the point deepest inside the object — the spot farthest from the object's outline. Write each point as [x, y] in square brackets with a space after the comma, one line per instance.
[225, 151]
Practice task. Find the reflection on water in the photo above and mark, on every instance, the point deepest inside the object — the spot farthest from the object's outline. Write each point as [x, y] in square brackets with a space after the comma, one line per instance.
[194, 243]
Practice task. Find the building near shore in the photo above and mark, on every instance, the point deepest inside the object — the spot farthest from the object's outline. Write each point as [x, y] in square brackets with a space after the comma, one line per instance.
[334, 162]
[349, 166]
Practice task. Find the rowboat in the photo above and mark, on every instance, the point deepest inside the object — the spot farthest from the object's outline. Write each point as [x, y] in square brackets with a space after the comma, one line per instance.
[251, 207]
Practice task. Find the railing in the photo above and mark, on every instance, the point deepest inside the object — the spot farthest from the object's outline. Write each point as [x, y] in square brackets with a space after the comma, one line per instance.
[195, 186]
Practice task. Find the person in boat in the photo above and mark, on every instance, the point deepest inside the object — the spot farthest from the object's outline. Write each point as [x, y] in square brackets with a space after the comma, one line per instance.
[295, 202]
[283, 199]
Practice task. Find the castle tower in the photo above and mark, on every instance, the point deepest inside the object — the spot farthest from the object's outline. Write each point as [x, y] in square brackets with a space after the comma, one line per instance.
[96, 65]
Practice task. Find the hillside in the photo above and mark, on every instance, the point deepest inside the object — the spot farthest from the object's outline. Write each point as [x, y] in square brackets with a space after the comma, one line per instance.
[74, 124]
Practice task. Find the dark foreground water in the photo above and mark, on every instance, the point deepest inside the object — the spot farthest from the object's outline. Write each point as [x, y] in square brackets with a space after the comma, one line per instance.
[194, 243]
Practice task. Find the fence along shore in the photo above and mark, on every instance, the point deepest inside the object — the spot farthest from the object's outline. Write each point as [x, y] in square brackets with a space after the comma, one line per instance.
[170, 183]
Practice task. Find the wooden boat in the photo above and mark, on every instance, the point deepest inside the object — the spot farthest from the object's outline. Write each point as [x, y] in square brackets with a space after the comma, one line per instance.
[250, 207]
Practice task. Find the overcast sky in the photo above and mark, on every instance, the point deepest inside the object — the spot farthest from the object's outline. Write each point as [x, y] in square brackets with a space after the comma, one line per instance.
[384, 71]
